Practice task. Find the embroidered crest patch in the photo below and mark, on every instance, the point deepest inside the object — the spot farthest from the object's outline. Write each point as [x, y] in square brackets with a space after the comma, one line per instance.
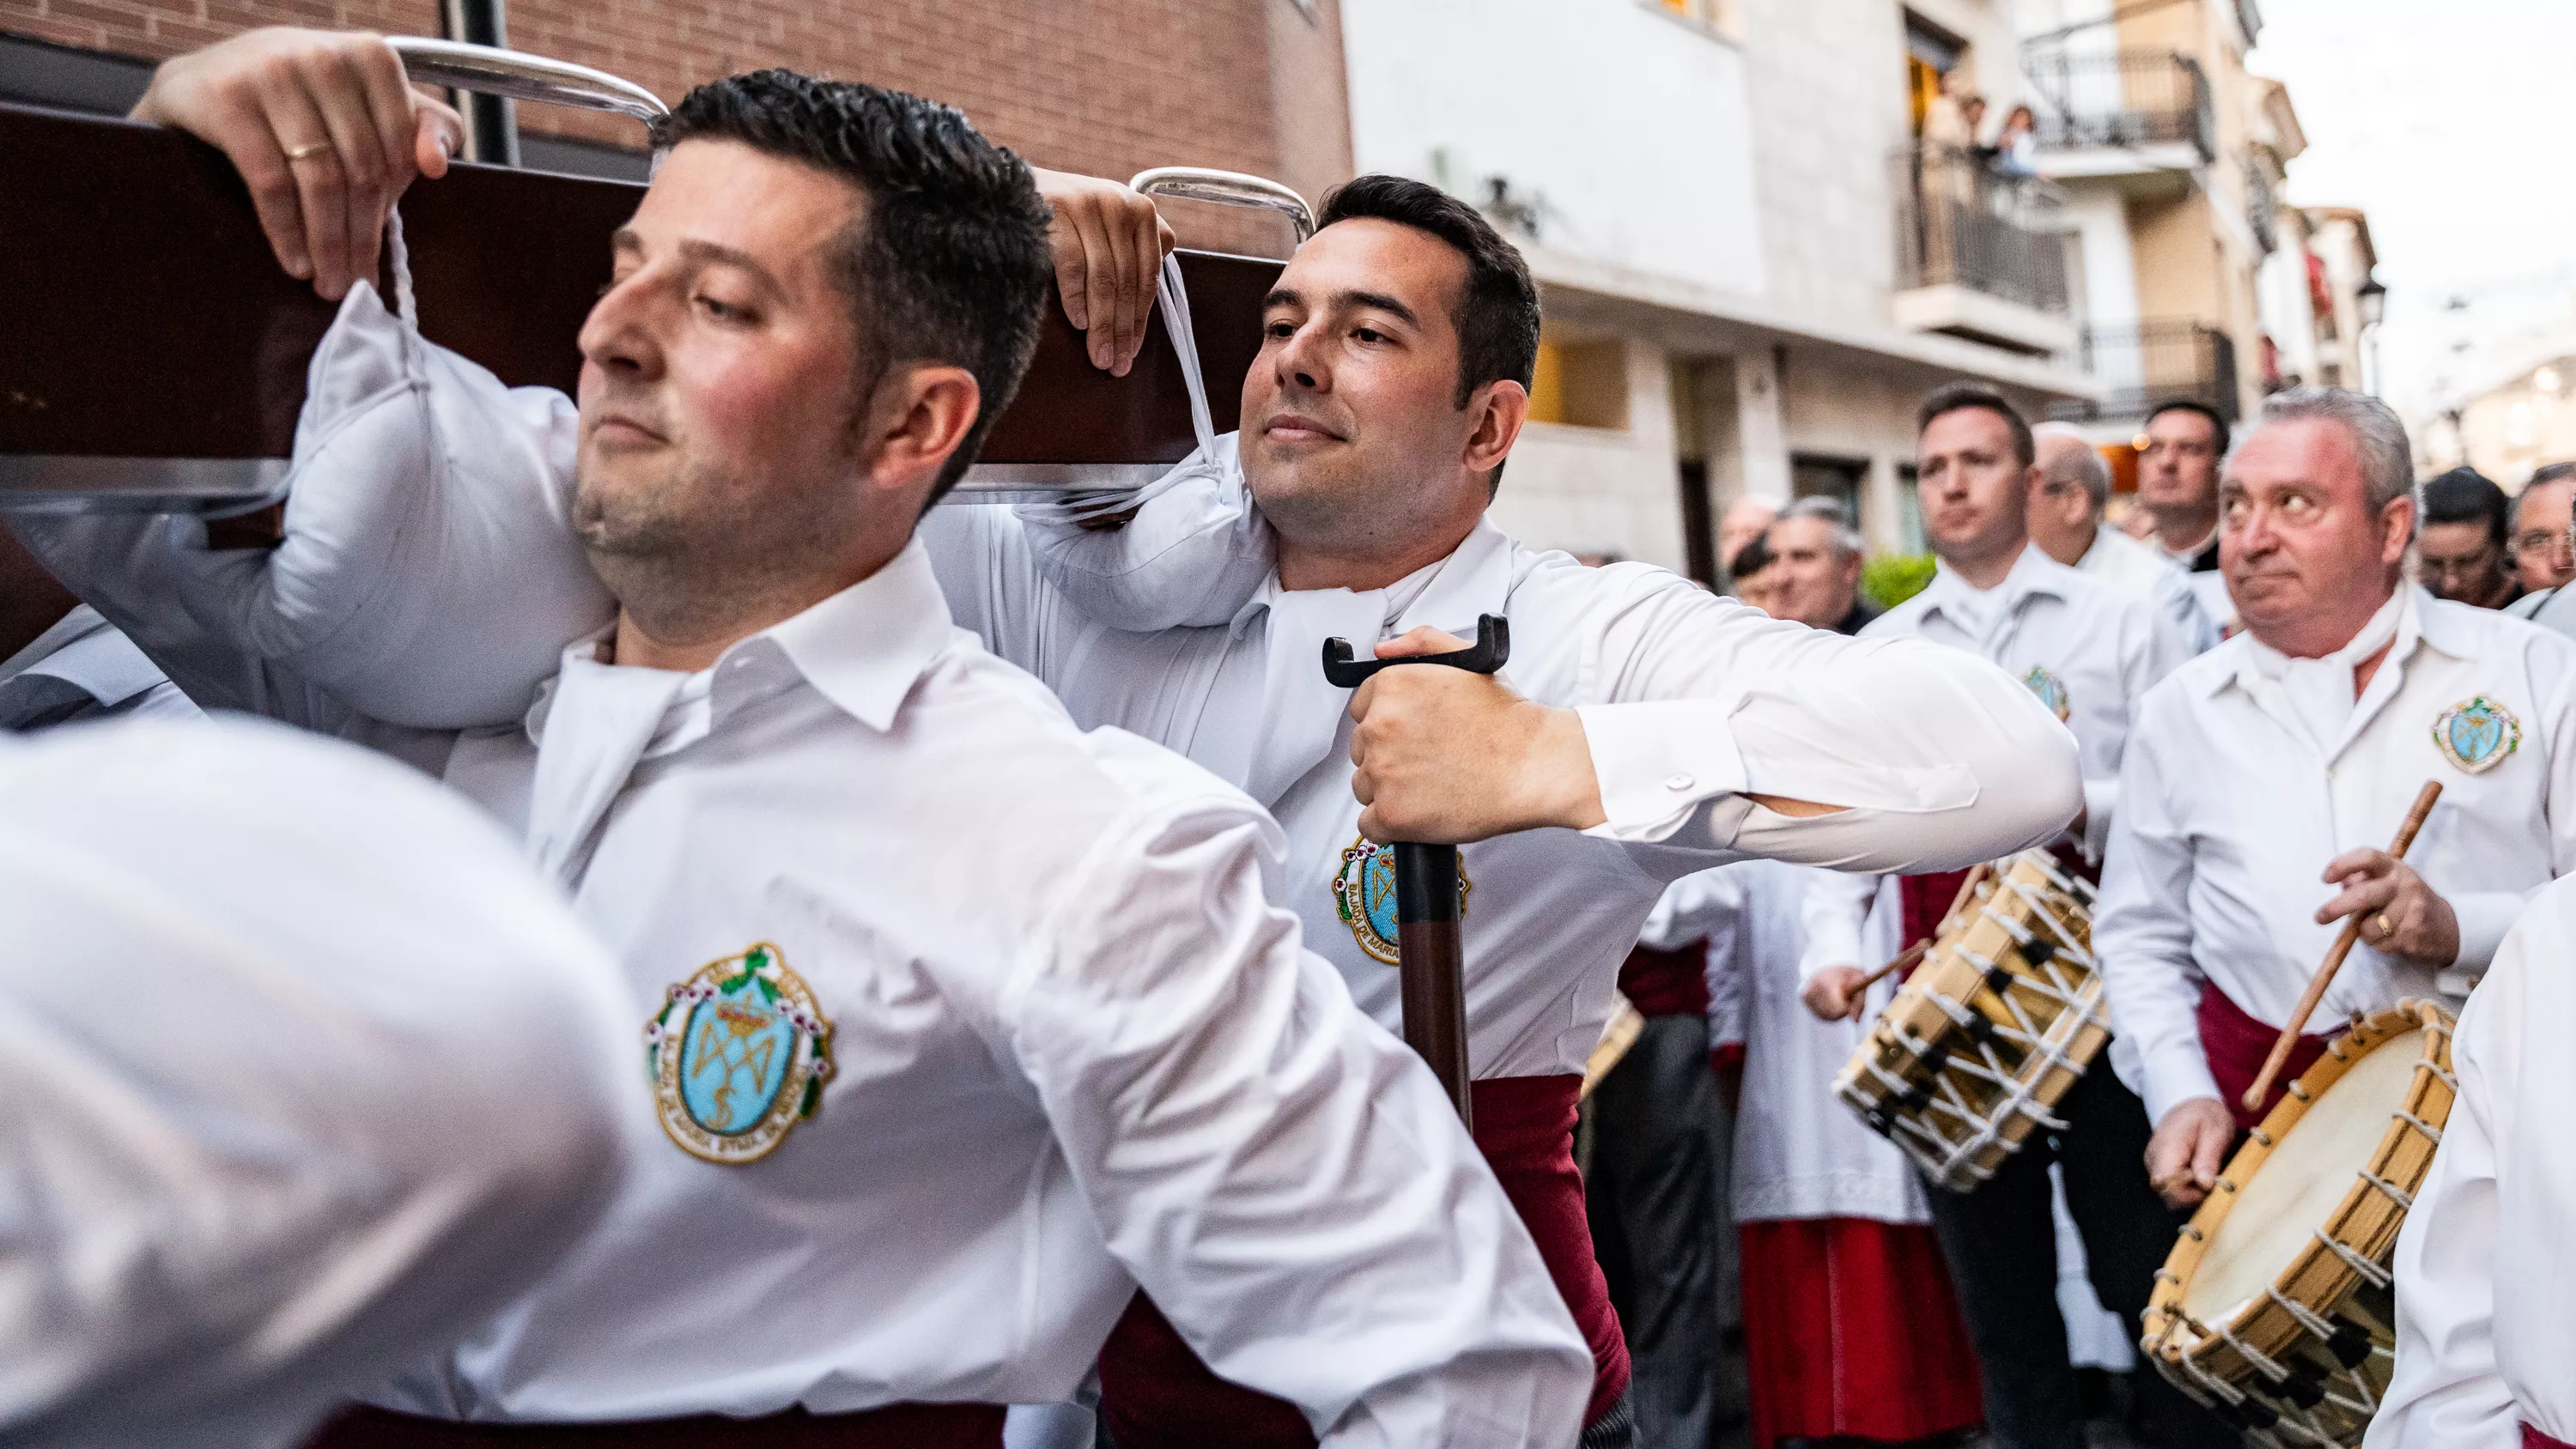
[738, 1057]
[1364, 896]
[2050, 689]
[2477, 734]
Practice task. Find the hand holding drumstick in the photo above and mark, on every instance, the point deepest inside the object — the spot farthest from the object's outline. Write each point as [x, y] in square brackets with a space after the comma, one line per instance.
[2389, 906]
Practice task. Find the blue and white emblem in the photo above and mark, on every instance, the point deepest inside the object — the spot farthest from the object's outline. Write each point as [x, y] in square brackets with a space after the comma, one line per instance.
[738, 1057]
[2477, 734]
[2050, 689]
[1364, 896]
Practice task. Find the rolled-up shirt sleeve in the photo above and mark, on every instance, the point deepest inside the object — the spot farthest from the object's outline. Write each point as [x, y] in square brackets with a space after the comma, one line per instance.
[2142, 936]
[1933, 758]
[1281, 1175]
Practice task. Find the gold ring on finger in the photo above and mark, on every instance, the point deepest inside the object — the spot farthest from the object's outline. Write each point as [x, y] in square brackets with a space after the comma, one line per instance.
[2386, 929]
[307, 151]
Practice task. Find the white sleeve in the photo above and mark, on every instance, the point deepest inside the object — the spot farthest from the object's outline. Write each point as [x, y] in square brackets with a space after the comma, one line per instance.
[429, 576]
[303, 1075]
[2142, 933]
[1284, 1177]
[1938, 758]
[1195, 552]
[2152, 649]
[2446, 1390]
[1834, 909]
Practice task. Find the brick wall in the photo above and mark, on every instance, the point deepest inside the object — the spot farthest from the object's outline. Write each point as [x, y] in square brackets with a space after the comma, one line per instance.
[1103, 86]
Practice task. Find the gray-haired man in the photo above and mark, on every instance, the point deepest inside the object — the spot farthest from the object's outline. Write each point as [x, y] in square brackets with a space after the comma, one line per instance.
[2066, 522]
[1815, 571]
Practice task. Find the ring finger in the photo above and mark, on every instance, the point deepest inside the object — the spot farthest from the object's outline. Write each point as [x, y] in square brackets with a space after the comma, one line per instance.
[321, 182]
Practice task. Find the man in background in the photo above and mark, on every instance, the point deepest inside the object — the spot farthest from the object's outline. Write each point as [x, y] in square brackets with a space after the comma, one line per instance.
[1814, 578]
[2460, 551]
[1745, 520]
[2066, 522]
[2178, 490]
[2544, 548]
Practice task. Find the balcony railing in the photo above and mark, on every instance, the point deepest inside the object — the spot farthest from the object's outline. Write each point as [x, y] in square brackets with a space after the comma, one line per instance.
[2142, 364]
[2121, 100]
[1961, 222]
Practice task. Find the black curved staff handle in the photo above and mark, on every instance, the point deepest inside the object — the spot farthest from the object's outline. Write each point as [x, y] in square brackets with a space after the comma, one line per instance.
[1432, 967]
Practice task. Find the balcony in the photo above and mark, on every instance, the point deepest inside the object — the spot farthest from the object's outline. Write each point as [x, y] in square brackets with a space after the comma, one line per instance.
[2133, 116]
[2142, 364]
[1974, 257]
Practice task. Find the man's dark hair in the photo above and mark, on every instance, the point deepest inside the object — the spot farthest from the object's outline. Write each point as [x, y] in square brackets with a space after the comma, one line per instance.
[2551, 473]
[949, 263]
[1497, 312]
[2465, 495]
[2220, 434]
[1962, 396]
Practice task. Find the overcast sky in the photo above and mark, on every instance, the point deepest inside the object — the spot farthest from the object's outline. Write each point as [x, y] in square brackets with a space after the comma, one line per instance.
[2453, 124]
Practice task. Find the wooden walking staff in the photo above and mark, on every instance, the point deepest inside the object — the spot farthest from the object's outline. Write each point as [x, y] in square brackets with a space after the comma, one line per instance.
[2343, 945]
[1432, 967]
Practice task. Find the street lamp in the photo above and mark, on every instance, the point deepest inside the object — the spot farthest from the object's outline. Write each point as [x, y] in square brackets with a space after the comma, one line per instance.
[2371, 301]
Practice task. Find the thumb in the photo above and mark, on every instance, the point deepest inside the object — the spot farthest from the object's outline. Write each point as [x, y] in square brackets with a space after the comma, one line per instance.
[1416, 642]
[438, 134]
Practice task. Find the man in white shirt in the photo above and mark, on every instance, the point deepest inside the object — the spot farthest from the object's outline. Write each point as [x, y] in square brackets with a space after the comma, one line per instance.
[961, 1022]
[2066, 522]
[2090, 651]
[61, 662]
[2486, 1259]
[2269, 774]
[2544, 548]
[2178, 488]
[303, 1074]
[1643, 728]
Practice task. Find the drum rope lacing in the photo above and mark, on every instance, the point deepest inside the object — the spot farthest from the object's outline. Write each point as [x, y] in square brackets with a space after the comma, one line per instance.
[2045, 1050]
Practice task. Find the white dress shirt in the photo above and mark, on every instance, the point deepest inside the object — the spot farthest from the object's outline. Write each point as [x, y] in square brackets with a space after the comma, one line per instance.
[1074, 1047]
[2486, 1263]
[81, 668]
[303, 1074]
[2100, 649]
[2250, 771]
[2145, 572]
[1689, 701]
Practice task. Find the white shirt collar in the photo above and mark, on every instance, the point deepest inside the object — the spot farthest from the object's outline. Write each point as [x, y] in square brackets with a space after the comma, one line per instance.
[2032, 573]
[862, 649]
[1451, 594]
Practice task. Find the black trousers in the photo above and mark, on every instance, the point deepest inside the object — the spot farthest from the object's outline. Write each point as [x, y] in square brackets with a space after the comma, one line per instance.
[2001, 1243]
[1659, 1226]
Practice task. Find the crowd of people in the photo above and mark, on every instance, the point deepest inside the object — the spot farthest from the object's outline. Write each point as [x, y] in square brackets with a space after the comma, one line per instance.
[942, 992]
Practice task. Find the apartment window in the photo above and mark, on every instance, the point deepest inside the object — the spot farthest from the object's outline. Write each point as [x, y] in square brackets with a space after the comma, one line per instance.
[1910, 537]
[1931, 53]
[1580, 384]
[1835, 478]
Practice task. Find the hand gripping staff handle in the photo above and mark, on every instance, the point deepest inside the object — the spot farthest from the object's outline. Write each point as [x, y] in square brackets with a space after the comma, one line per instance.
[1432, 967]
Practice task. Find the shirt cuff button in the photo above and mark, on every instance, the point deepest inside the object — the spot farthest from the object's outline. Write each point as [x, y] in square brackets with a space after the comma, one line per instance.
[1680, 782]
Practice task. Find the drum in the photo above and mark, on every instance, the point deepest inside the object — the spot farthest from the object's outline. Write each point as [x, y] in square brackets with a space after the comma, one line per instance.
[1991, 1030]
[2275, 1308]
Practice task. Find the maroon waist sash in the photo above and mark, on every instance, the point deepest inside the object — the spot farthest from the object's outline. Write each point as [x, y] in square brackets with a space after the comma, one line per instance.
[2533, 1439]
[1156, 1394]
[897, 1426]
[1666, 983]
[2236, 1045]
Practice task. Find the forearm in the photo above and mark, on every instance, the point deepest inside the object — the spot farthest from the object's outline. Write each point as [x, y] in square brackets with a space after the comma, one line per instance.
[1932, 760]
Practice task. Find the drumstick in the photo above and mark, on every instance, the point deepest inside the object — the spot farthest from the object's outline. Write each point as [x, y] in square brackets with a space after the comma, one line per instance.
[2343, 945]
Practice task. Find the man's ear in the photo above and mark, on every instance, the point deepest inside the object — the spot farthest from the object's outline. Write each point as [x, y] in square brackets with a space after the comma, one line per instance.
[920, 416]
[2397, 529]
[1500, 408]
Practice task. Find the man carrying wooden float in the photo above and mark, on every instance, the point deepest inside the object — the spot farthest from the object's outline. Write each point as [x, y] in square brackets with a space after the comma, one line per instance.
[961, 1023]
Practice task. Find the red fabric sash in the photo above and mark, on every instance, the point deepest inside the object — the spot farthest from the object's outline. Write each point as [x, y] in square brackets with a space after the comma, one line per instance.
[2533, 1439]
[1156, 1394]
[1667, 983]
[897, 1426]
[2236, 1045]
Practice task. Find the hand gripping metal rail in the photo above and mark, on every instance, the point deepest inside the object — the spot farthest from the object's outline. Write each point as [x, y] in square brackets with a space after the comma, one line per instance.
[489, 70]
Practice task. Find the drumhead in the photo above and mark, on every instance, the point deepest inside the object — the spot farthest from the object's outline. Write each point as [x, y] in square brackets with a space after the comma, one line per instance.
[2277, 1214]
